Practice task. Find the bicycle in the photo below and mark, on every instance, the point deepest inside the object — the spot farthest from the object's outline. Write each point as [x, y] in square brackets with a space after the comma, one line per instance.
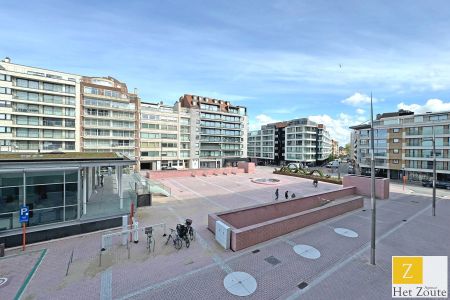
[182, 232]
[177, 242]
[190, 229]
[150, 239]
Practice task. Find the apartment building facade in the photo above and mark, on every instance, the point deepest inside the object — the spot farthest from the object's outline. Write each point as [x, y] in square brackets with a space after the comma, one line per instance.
[46, 111]
[404, 145]
[167, 137]
[221, 130]
[38, 109]
[299, 140]
[109, 117]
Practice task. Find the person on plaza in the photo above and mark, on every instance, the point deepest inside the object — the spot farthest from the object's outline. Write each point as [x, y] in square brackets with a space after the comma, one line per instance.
[293, 196]
[286, 195]
[101, 180]
[276, 194]
[315, 182]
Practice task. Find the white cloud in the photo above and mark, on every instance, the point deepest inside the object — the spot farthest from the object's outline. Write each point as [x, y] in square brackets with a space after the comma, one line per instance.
[260, 120]
[338, 128]
[358, 99]
[360, 111]
[432, 105]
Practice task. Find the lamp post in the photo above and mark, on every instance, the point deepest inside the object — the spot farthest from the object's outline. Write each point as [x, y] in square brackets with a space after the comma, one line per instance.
[434, 173]
[433, 140]
[372, 194]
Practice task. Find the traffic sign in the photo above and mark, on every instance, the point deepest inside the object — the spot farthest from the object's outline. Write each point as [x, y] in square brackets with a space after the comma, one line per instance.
[24, 214]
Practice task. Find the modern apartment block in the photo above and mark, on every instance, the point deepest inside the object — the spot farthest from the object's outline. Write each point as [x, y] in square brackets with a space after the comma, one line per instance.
[221, 130]
[166, 138]
[299, 140]
[109, 117]
[38, 109]
[403, 145]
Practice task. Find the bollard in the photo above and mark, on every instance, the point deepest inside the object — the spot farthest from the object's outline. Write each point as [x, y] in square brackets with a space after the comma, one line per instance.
[2, 249]
[136, 232]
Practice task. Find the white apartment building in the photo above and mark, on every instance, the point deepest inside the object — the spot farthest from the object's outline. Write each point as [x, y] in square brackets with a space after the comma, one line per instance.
[167, 137]
[221, 130]
[38, 109]
[299, 140]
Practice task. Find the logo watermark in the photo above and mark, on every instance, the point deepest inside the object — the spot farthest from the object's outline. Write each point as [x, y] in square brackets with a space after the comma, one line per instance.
[419, 277]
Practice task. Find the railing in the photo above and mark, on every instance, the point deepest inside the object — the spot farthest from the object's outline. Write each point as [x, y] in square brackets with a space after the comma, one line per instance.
[144, 185]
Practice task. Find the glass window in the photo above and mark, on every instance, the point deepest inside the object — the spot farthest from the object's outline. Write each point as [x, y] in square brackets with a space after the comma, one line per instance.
[44, 177]
[71, 193]
[45, 195]
[10, 199]
[11, 179]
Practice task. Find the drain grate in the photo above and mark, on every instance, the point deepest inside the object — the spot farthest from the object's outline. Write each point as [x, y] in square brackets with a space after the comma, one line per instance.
[404, 220]
[363, 210]
[272, 260]
[256, 251]
[302, 285]
[414, 201]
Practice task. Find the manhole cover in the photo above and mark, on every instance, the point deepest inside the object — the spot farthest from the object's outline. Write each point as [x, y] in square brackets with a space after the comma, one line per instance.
[272, 260]
[255, 251]
[307, 251]
[346, 232]
[3, 280]
[240, 283]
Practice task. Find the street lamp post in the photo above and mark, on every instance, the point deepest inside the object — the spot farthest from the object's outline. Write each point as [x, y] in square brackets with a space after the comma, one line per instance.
[433, 140]
[434, 174]
[372, 176]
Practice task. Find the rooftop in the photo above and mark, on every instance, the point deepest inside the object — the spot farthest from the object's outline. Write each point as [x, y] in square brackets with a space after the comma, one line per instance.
[78, 156]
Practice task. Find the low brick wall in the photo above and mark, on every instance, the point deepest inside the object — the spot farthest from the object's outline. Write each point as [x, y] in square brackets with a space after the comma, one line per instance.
[258, 233]
[363, 185]
[258, 213]
[259, 223]
[193, 172]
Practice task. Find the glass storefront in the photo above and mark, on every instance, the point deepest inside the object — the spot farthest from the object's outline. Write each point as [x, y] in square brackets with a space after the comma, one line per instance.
[51, 195]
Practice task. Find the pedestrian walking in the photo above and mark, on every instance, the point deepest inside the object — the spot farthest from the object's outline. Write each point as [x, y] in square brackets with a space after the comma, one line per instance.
[276, 194]
[286, 195]
[101, 180]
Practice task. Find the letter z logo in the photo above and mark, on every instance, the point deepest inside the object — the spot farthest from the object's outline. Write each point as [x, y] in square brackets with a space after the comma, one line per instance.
[407, 269]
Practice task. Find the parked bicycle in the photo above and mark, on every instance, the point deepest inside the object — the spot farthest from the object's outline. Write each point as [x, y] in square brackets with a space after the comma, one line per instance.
[177, 242]
[191, 232]
[150, 239]
[182, 232]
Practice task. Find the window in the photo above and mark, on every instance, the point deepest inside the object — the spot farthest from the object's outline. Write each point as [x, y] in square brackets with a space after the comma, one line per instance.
[396, 140]
[5, 103]
[4, 77]
[438, 117]
[5, 117]
[396, 130]
[27, 83]
[5, 91]
[396, 151]
[5, 129]
[53, 87]
[395, 161]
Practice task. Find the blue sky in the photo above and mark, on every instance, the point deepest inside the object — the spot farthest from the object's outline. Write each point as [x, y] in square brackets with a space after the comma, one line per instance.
[281, 59]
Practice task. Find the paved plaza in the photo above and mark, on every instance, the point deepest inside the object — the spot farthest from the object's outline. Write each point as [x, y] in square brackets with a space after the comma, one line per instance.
[339, 269]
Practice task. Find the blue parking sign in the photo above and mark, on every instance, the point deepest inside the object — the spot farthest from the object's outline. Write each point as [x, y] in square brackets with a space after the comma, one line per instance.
[24, 214]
